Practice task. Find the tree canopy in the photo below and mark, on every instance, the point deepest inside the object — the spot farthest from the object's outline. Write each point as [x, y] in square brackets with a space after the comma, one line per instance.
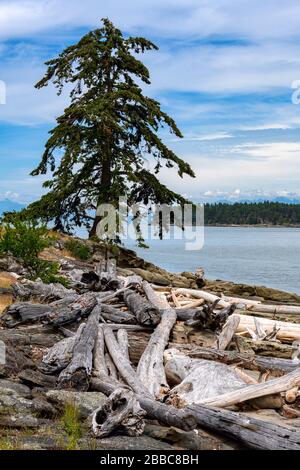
[98, 149]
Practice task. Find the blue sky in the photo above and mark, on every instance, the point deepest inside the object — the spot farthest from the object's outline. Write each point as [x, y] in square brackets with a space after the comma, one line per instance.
[224, 71]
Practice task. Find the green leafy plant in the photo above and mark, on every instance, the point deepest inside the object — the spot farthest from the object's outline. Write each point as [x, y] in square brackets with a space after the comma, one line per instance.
[71, 424]
[25, 241]
[78, 249]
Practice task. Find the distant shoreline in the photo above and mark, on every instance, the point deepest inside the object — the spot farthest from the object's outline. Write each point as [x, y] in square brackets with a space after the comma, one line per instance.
[252, 225]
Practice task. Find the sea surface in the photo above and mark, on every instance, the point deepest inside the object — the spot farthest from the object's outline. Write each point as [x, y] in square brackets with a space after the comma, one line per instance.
[258, 255]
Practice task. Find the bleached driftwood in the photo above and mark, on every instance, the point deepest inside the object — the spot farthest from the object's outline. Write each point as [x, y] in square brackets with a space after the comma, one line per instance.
[277, 385]
[122, 338]
[122, 364]
[227, 333]
[99, 364]
[58, 357]
[121, 412]
[28, 289]
[197, 379]
[288, 332]
[165, 414]
[150, 369]
[254, 433]
[78, 372]
[201, 294]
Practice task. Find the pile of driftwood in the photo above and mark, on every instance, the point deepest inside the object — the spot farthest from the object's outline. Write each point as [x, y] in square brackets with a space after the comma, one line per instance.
[119, 340]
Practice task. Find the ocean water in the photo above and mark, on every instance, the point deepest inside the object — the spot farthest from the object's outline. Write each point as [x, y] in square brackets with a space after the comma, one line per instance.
[259, 256]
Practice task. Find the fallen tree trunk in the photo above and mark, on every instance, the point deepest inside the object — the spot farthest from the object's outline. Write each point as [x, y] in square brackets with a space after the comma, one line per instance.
[168, 415]
[144, 312]
[122, 364]
[99, 364]
[288, 332]
[277, 366]
[275, 309]
[114, 315]
[78, 372]
[227, 333]
[150, 368]
[201, 294]
[121, 412]
[254, 433]
[59, 356]
[48, 292]
[278, 385]
[81, 308]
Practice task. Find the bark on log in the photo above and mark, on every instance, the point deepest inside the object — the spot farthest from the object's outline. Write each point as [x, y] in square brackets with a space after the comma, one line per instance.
[144, 312]
[277, 385]
[168, 415]
[254, 433]
[78, 372]
[81, 308]
[114, 315]
[120, 413]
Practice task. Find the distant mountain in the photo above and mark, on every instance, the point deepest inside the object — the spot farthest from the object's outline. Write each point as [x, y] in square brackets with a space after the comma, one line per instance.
[6, 206]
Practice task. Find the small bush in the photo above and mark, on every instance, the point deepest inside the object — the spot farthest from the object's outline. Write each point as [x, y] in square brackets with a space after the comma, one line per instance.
[25, 241]
[78, 249]
[71, 424]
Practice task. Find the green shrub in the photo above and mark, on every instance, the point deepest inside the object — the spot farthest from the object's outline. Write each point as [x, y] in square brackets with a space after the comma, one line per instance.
[25, 241]
[78, 249]
[71, 424]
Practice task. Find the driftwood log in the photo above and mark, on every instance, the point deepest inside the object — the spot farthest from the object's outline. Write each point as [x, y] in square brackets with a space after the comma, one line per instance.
[120, 413]
[150, 369]
[165, 414]
[144, 312]
[227, 332]
[47, 292]
[254, 433]
[115, 315]
[77, 374]
[78, 309]
[277, 366]
[288, 332]
[277, 385]
[59, 356]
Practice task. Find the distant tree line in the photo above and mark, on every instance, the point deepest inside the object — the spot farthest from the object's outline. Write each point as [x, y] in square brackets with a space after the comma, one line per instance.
[271, 213]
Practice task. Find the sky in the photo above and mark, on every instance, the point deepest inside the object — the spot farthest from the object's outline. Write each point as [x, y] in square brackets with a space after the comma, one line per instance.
[228, 72]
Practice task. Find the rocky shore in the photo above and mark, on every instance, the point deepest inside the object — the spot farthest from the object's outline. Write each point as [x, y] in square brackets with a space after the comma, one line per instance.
[37, 409]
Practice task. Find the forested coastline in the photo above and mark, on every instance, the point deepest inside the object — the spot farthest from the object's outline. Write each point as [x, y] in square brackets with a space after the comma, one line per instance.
[260, 213]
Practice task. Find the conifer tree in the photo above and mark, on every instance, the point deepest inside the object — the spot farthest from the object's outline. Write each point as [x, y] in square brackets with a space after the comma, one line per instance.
[97, 150]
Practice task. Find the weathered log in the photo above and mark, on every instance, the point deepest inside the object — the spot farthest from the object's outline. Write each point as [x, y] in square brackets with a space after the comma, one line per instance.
[78, 309]
[277, 366]
[168, 415]
[254, 433]
[144, 312]
[123, 365]
[99, 364]
[121, 412]
[111, 368]
[277, 385]
[122, 338]
[26, 312]
[133, 281]
[59, 356]
[78, 372]
[197, 378]
[201, 294]
[184, 314]
[48, 292]
[151, 368]
[287, 331]
[227, 333]
[275, 309]
[114, 315]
